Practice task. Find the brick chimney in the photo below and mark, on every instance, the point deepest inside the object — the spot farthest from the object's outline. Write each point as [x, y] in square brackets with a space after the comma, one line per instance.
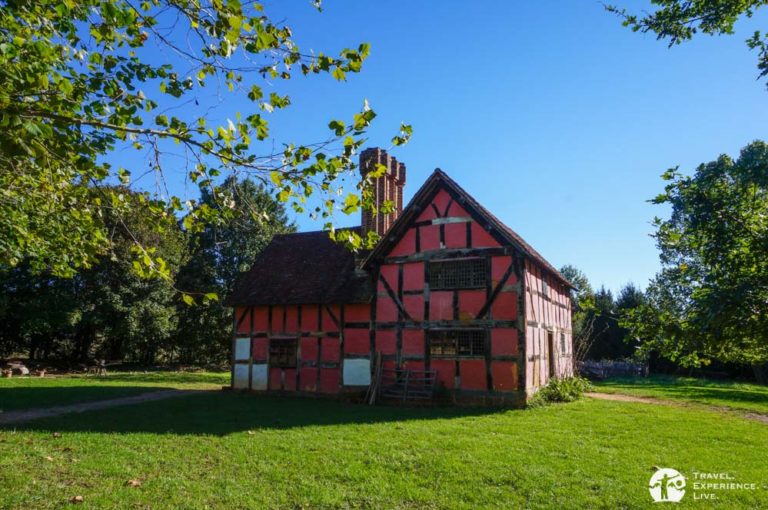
[387, 187]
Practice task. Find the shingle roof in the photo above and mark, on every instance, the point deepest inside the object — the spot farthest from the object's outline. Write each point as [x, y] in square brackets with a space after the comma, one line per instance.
[430, 186]
[302, 268]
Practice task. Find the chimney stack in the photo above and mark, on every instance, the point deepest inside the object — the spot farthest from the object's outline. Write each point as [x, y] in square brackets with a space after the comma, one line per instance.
[388, 187]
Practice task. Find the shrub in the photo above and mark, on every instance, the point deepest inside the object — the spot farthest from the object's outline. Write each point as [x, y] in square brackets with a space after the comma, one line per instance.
[567, 389]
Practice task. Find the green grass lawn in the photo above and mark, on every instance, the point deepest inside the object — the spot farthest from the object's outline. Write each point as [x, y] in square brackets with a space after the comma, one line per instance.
[30, 392]
[743, 396]
[231, 450]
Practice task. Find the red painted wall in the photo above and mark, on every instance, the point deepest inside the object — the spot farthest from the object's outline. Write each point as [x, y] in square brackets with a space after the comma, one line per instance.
[445, 227]
[320, 342]
[548, 327]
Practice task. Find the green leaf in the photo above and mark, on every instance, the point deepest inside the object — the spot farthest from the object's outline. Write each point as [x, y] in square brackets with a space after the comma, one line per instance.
[255, 93]
[364, 49]
[339, 74]
[351, 204]
[337, 127]
[124, 176]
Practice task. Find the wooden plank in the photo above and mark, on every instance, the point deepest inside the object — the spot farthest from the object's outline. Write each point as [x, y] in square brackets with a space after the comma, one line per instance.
[250, 352]
[522, 323]
[447, 324]
[394, 297]
[450, 254]
[239, 321]
[495, 293]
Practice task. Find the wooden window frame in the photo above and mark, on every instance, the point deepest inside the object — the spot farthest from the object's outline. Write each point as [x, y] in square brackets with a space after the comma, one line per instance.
[283, 352]
[475, 274]
[457, 343]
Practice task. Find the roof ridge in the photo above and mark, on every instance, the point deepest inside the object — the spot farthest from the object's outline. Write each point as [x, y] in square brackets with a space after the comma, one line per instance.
[527, 247]
[308, 232]
[514, 238]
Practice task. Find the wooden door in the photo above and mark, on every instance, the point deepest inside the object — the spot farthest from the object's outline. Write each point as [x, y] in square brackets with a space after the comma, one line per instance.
[551, 352]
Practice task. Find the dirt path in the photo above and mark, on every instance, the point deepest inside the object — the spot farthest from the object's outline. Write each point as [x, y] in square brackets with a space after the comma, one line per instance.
[762, 418]
[631, 398]
[14, 417]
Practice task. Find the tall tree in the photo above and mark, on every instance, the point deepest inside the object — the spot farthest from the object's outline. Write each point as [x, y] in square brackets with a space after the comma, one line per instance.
[219, 253]
[124, 314]
[606, 341]
[80, 80]
[630, 297]
[611, 339]
[597, 333]
[108, 310]
[710, 300]
[677, 21]
[583, 305]
[38, 313]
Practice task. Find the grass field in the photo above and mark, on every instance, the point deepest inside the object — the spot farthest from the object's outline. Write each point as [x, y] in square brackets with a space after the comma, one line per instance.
[230, 450]
[743, 396]
[30, 392]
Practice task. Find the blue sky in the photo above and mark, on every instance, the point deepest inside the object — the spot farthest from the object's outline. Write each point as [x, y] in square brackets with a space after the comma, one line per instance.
[553, 115]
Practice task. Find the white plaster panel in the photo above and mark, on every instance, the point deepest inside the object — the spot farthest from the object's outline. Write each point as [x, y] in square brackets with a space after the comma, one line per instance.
[242, 349]
[357, 372]
[259, 377]
[240, 380]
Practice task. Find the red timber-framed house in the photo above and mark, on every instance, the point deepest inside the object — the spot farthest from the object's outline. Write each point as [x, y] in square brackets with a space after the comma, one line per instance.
[450, 296]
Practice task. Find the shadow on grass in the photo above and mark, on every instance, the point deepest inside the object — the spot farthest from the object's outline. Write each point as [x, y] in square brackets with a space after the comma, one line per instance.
[35, 397]
[709, 392]
[222, 412]
[712, 395]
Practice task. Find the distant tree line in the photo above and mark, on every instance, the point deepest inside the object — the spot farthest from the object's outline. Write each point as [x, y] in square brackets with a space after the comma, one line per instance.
[707, 308]
[598, 332]
[111, 311]
[708, 305]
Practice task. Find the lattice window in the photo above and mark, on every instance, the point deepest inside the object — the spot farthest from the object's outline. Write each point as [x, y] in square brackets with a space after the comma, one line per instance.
[282, 352]
[457, 274]
[562, 343]
[457, 343]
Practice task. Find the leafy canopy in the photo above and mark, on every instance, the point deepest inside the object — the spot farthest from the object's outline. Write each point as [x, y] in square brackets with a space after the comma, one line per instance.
[710, 300]
[218, 255]
[110, 311]
[82, 80]
[678, 21]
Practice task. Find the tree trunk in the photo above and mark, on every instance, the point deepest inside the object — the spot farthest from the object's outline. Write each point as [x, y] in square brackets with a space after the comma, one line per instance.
[761, 373]
[84, 336]
[32, 348]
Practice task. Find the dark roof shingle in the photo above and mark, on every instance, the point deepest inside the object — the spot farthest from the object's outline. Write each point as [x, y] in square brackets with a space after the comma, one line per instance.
[302, 268]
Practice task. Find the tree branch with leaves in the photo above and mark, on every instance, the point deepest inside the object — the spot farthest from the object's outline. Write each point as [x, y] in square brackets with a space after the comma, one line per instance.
[678, 21]
[710, 299]
[81, 81]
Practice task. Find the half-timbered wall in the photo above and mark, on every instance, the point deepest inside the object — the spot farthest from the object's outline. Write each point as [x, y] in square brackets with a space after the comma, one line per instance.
[549, 344]
[408, 313]
[500, 327]
[332, 347]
